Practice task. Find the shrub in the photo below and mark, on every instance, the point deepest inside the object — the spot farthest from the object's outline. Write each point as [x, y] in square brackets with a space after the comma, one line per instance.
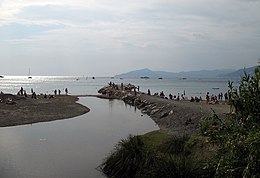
[238, 136]
[129, 156]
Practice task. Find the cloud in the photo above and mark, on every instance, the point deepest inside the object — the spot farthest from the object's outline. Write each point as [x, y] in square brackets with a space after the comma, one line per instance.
[175, 30]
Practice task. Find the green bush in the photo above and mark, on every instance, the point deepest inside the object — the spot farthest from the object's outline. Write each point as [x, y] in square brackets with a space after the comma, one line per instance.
[129, 157]
[246, 100]
[133, 158]
[238, 136]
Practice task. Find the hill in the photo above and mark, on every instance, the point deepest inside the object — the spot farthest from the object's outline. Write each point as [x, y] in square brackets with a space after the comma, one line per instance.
[191, 74]
[240, 72]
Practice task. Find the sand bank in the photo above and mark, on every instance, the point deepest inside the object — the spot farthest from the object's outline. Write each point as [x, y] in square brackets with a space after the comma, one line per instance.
[27, 110]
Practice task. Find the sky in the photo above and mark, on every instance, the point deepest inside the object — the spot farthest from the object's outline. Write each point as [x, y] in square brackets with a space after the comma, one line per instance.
[109, 37]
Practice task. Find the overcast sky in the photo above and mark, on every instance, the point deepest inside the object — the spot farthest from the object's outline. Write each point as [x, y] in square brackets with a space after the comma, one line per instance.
[108, 37]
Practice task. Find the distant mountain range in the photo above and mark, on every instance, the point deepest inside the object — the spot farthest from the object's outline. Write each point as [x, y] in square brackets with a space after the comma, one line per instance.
[229, 73]
[240, 72]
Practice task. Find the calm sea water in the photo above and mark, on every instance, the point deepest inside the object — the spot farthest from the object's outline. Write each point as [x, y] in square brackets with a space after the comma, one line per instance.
[75, 147]
[82, 85]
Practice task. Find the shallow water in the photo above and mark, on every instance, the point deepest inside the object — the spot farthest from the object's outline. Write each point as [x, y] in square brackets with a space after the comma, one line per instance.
[72, 147]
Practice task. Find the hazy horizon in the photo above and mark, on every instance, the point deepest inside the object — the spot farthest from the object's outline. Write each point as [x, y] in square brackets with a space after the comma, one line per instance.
[105, 38]
[113, 75]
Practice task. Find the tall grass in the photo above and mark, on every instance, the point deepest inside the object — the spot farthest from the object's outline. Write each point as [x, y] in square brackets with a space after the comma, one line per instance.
[129, 156]
[238, 137]
[132, 158]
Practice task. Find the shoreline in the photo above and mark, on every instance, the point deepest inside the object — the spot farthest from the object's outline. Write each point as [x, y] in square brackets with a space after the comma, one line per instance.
[21, 110]
[174, 117]
[179, 117]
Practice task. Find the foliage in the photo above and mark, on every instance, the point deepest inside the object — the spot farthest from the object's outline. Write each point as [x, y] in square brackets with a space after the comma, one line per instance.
[247, 100]
[174, 145]
[208, 125]
[134, 158]
[129, 156]
[238, 136]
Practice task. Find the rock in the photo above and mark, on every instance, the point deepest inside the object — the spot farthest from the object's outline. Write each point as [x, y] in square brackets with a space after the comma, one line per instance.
[171, 112]
[164, 114]
[154, 111]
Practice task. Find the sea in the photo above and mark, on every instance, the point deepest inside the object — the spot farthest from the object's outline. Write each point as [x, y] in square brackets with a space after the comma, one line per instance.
[80, 85]
[76, 147]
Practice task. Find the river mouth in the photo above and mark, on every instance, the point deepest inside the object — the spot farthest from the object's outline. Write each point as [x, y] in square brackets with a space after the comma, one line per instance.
[73, 147]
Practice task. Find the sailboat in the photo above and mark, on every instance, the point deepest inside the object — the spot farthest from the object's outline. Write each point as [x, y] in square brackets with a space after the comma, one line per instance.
[29, 74]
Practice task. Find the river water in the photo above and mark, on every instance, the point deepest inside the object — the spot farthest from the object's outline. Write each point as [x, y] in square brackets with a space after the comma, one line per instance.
[72, 147]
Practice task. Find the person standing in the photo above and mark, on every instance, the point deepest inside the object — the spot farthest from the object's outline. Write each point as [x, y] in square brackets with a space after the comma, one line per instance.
[207, 97]
[149, 92]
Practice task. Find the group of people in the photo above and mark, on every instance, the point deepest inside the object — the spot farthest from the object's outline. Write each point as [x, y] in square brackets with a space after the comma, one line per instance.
[171, 97]
[213, 99]
[126, 87]
[22, 92]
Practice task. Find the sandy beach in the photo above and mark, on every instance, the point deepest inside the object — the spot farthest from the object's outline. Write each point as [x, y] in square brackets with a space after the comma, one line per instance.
[27, 110]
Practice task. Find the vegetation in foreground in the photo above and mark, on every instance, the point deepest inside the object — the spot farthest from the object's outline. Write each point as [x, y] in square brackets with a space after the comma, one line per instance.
[225, 148]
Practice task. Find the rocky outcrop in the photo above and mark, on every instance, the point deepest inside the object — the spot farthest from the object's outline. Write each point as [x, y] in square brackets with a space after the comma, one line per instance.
[116, 91]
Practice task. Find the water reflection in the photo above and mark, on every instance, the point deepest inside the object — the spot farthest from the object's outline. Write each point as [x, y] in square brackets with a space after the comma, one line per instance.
[69, 148]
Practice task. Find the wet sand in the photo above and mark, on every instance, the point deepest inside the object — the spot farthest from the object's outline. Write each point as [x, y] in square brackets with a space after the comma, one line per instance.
[28, 110]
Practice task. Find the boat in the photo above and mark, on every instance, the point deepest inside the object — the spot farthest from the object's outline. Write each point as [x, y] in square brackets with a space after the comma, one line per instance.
[93, 77]
[29, 74]
[160, 78]
[1, 76]
[145, 77]
[215, 88]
